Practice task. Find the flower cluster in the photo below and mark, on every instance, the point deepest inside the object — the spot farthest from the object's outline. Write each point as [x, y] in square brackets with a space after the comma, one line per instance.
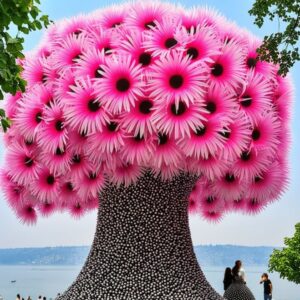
[147, 86]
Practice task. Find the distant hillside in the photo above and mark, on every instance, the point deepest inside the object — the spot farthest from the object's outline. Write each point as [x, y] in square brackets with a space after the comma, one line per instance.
[219, 255]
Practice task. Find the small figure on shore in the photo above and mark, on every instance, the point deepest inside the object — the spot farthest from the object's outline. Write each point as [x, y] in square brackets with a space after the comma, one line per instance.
[228, 278]
[40, 297]
[268, 287]
[238, 271]
[44, 298]
[18, 297]
[29, 298]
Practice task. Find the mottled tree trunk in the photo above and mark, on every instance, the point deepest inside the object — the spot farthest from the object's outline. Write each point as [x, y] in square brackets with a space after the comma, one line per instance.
[142, 247]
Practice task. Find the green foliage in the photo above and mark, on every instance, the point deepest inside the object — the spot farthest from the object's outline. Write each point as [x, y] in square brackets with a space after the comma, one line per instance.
[280, 47]
[287, 261]
[25, 16]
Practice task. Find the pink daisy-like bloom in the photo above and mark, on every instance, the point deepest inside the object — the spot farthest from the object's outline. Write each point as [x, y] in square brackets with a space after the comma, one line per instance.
[208, 202]
[166, 172]
[68, 194]
[46, 186]
[110, 140]
[283, 97]
[201, 43]
[33, 70]
[228, 187]
[27, 213]
[13, 192]
[237, 136]
[254, 206]
[112, 17]
[64, 85]
[83, 108]
[74, 26]
[79, 141]
[220, 104]
[121, 84]
[77, 209]
[265, 133]
[270, 184]
[70, 49]
[53, 133]
[125, 173]
[209, 17]
[193, 204]
[228, 70]
[213, 215]
[250, 164]
[256, 96]
[194, 196]
[237, 205]
[90, 63]
[101, 40]
[11, 104]
[179, 119]
[132, 44]
[46, 208]
[160, 40]
[211, 167]
[176, 77]
[229, 31]
[89, 185]
[137, 149]
[22, 164]
[204, 141]
[253, 63]
[58, 162]
[138, 121]
[166, 152]
[145, 15]
[80, 166]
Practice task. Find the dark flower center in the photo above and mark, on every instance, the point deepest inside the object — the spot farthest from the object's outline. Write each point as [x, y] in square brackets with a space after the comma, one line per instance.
[38, 117]
[229, 177]
[28, 161]
[112, 126]
[245, 156]
[170, 42]
[246, 101]
[193, 52]
[179, 110]
[28, 142]
[107, 50]
[69, 186]
[77, 32]
[210, 199]
[217, 70]
[211, 107]
[150, 24]
[76, 159]
[123, 85]
[200, 131]
[145, 107]
[139, 138]
[116, 24]
[257, 179]
[59, 126]
[225, 134]
[93, 105]
[29, 209]
[255, 134]
[92, 176]
[75, 58]
[176, 81]
[59, 151]
[162, 138]
[145, 59]
[98, 74]
[50, 180]
[251, 62]
[44, 78]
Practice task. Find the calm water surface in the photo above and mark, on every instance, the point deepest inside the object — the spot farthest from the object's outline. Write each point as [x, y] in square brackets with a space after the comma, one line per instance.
[50, 280]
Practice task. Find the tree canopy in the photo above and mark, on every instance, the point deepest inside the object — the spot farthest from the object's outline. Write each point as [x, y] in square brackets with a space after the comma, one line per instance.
[287, 261]
[25, 16]
[280, 47]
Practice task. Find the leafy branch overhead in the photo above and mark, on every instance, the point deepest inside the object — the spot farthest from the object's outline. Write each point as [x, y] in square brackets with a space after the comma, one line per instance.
[281, 47]
[287, 260]
[25, 16]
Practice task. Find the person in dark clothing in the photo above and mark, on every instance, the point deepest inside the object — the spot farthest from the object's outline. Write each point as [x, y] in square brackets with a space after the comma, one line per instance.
[227, 278]
[268, 288]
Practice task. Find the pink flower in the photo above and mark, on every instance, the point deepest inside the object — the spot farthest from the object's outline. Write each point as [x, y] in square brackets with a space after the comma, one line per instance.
[121, 84]
[84, 109]
[176, 77]
[27, 213]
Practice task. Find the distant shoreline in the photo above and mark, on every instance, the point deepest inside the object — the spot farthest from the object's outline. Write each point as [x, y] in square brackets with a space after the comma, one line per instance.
[209, 255]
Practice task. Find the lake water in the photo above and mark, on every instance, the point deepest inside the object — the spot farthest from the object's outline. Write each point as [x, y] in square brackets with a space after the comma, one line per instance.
[50, 280]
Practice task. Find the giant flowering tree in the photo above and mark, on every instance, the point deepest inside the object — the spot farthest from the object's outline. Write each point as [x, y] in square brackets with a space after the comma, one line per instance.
[144, 111]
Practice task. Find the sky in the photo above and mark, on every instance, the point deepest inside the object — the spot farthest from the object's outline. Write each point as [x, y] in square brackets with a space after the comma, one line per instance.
[268, 228]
